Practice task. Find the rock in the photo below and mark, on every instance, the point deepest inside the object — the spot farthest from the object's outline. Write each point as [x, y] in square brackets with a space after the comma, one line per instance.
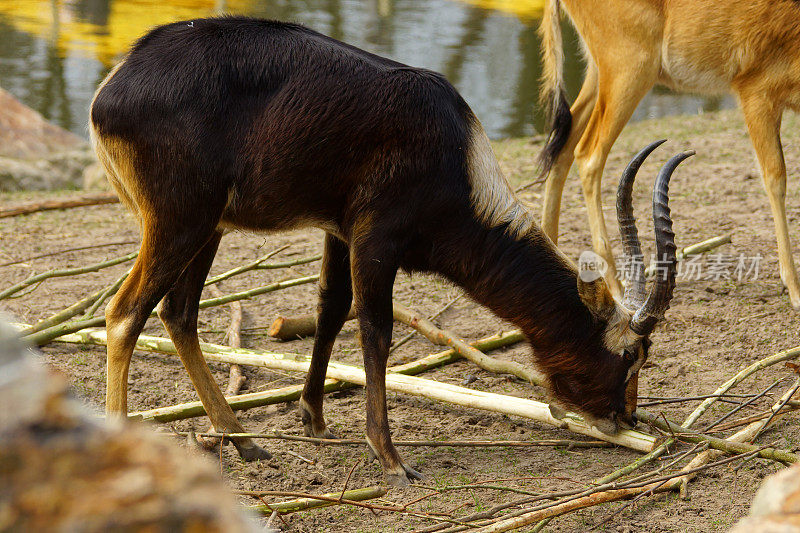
[63, 470]
[35, 154]
[62, 170]
[776, 506]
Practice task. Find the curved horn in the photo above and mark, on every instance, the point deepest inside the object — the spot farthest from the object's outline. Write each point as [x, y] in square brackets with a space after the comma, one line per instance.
[635, 289]
[646, 317]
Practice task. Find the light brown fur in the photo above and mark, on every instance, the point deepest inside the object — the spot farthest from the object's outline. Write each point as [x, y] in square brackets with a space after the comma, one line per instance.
[749, 48]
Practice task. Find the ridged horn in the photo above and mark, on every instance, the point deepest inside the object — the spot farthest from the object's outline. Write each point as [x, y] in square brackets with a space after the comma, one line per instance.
[657, 302]
[636, 288]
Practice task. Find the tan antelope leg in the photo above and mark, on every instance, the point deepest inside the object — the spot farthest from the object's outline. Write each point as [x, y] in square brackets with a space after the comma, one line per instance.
[178, 311]
[554, 187]
[617, 99]
[159, 264]
[763, 118]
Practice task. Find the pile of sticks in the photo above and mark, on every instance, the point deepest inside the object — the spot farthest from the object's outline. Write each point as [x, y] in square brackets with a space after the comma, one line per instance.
[673, 453]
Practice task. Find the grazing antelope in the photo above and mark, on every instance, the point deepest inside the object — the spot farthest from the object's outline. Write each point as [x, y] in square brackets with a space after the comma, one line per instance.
[748, 47]
[232, 122]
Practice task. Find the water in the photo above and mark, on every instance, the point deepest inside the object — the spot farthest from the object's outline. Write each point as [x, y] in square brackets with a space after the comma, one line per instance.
[53, 53]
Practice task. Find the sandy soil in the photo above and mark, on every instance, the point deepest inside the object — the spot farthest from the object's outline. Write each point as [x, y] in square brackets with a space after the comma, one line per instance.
[715, 327]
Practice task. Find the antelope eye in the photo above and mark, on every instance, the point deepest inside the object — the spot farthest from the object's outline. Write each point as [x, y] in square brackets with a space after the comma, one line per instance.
[629, 356]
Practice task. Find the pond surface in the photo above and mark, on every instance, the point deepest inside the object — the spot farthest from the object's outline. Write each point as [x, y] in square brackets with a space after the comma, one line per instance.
[53, 53]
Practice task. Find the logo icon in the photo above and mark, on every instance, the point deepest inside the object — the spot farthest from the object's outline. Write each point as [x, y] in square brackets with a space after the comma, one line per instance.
[591, 266]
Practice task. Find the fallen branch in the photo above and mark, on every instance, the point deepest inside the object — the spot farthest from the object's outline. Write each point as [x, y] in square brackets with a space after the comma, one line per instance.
[246, 295]
[704, 246]
[687, 435]
[400, 342]
[65, 314]
[790, 406]
[791, 353]
[292, 392]
[681, 483]
[442, 337]
[741, 406]
[601, 491]
[64, 272]
[67, 250]
[277, 435]
[108, 293]
[498, 403]
[597, 496]
[90, 304]
[747, 434]
[311, 501]
[241, 402]
[47, 205]
[290, 328]
[48, 335]
[258, 265]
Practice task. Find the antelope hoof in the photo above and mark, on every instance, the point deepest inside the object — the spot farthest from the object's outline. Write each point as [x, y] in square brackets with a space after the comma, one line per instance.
[252, 453]
[308, 425]
[325, 433]
[403, 477]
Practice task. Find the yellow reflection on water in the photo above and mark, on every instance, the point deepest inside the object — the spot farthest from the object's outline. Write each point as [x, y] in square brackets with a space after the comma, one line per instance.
[527, 10]
[129, 19]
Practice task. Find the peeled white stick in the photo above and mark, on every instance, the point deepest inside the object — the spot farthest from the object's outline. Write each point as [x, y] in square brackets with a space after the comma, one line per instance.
[498, 403]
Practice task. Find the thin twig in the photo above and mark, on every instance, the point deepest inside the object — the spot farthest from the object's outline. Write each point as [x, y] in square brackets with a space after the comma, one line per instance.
[779, 357]
[66, 251]
[781, 404]
[108, 293]
[347, 479]
[48, 335]
[244, 268]
[48, 205]
[687, 435]
[735, 410]
[65, 272]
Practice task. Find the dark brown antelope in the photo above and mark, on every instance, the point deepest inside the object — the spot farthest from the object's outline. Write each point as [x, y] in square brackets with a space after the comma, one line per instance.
[748, 47]
[228, 123]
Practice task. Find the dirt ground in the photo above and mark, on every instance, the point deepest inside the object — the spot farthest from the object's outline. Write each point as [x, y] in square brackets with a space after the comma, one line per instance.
[714, 328]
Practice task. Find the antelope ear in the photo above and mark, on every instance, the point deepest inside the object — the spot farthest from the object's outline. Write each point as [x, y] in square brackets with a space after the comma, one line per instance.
[597, 298]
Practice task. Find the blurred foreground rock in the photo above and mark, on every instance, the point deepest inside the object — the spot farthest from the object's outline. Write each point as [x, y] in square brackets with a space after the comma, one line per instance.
[776, 507]
[35, 154]
[62, 470]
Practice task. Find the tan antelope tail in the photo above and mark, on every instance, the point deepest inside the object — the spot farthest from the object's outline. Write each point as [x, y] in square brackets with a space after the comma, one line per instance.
[553, 95]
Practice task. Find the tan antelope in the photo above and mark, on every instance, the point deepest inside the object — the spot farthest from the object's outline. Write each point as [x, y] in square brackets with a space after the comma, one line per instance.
[224, 123]
[748, 47]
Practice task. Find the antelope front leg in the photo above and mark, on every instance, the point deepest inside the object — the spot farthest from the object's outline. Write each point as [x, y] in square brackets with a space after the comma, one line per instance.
[373, 279]
[335, 298]
[764, 124]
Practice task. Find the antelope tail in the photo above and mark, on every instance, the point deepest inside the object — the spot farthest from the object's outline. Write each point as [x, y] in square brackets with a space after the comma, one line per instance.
[553, 96]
